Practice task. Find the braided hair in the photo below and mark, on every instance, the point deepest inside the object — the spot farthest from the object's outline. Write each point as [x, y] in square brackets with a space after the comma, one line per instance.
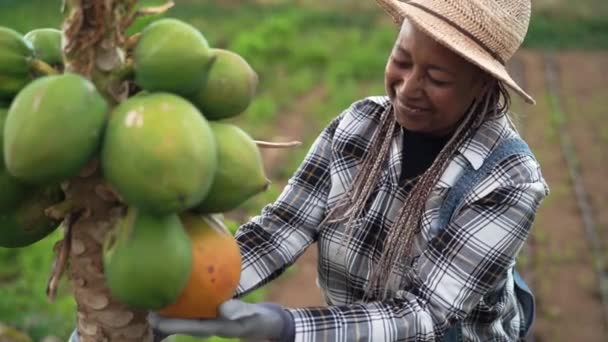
[495, 102]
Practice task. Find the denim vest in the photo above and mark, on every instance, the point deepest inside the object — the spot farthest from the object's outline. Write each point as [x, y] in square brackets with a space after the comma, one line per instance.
[468, 180]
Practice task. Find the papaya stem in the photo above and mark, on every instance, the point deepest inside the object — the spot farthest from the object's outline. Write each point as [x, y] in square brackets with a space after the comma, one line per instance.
[125, 71]
[41, 67]
[62, 249]
[155, 9]
[107, 193]
[132, 41]
[267, 184]
[268, 144]
[217, 224]
[147, 11]
[61, 210]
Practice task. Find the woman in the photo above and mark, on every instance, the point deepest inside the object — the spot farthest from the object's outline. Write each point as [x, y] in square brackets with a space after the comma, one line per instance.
[419, 201]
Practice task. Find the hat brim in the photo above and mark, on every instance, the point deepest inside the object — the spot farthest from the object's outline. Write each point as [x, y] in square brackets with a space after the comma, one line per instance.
[456, 41]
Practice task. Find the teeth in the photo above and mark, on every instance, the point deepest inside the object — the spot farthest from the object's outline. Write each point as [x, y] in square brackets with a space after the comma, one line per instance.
[413, 110]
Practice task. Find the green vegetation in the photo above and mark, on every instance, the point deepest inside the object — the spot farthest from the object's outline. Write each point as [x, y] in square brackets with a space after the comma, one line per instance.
[23, 302]
[339, 47]
[551, 31]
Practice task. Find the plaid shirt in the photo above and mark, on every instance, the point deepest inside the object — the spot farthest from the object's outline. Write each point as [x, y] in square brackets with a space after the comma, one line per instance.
[469, 280]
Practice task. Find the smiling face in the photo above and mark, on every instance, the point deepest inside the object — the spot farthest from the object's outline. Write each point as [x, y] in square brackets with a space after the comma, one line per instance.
[430, 86]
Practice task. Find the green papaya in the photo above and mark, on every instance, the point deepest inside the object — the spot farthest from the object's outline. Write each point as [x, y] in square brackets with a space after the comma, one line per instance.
[15, 53]
[147, 259]
[3, 113]
[22, 217]
[240, 171]
[53, 128]
[229, 88]
[159, 153]
[171, 56]
[46, 43]
[13, 191]
[25, 222]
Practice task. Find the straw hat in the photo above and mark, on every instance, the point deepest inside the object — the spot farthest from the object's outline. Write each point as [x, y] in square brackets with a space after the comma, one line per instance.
[485, 32]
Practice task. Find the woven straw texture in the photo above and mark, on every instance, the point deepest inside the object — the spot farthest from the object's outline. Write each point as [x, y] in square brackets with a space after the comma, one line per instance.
[485, 32]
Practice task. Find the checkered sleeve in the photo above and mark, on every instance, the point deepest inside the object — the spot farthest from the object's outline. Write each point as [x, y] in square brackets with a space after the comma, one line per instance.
[273, 240]
[458, 267]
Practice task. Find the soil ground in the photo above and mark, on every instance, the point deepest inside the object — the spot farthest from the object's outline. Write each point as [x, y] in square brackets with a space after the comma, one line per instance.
[561, 271]
[557, 261]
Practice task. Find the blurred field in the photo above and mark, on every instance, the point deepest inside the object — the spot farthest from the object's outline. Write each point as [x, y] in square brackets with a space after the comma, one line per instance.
[316, 57]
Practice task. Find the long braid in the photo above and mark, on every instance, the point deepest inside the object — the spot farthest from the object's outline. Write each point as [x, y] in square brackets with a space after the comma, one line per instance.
[369, 184]
[400, 238]
[401, 234]
[352, 203]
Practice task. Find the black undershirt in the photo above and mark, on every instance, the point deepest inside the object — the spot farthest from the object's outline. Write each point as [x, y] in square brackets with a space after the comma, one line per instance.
[419, 152]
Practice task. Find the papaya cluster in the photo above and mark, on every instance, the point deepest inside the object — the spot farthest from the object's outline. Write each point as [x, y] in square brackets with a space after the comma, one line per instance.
[167, 151]
[22, 203]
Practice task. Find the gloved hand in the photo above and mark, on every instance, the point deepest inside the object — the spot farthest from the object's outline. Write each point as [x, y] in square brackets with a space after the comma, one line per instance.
[158, 336]
[236, 319]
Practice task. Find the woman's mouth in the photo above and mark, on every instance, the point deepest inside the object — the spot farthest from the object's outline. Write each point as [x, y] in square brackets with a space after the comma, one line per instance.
[410, 110]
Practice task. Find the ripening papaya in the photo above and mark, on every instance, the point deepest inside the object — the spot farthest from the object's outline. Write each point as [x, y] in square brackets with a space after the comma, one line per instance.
[46, 43]
[216, 268]
[24, 222]
[15, 53]
[159, 153]
[229, 87]
[171, 56]
[240, 172]
[53, 128]
[147, 259]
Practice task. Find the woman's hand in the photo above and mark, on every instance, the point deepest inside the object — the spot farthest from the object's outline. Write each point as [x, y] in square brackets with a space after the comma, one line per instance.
[236, 319]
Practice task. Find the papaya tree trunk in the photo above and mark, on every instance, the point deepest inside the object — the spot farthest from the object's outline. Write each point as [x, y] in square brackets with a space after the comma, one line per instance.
[99, 316]
[94, 46]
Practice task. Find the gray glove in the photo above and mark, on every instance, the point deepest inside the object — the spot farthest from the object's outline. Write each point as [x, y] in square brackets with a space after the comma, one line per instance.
[236, 319]
[158, 337]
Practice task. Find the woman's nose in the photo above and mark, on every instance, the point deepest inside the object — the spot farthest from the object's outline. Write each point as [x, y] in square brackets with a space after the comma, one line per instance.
[412, 84]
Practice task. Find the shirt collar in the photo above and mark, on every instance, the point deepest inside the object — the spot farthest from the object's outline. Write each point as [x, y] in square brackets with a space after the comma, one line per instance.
[477, 148]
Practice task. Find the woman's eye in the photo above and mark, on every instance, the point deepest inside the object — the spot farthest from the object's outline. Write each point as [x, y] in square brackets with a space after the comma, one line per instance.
[438, 82]
[401, 64]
